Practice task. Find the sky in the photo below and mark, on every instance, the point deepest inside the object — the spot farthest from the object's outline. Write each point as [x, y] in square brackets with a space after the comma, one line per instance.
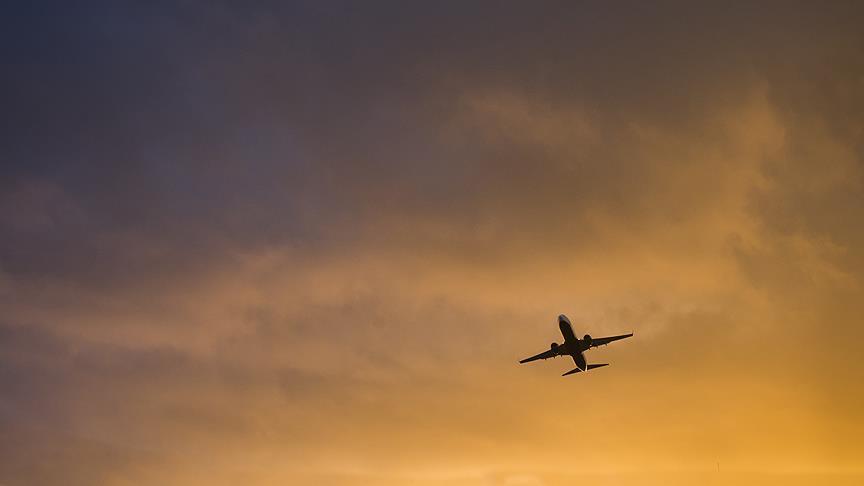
[307, 243]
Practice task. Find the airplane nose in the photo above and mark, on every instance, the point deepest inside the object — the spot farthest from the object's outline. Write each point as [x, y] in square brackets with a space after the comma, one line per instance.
[563, 318]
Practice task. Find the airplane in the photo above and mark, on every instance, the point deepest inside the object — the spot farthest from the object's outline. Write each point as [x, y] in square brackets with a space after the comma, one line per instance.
[574, 347]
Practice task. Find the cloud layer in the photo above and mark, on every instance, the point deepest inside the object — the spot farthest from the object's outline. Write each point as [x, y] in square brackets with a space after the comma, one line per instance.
[307, 244]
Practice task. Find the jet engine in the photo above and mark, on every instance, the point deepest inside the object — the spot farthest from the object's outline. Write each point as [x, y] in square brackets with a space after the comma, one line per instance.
[553, 347]
[587, 339]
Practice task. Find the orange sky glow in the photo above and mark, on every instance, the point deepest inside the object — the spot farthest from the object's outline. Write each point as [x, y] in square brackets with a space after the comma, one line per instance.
[307, 244]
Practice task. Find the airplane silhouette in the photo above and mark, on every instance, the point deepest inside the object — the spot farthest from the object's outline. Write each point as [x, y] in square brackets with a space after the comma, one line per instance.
[574, 347]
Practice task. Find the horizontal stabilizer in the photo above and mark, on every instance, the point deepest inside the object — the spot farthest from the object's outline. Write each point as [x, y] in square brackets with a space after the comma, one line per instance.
[590, 367]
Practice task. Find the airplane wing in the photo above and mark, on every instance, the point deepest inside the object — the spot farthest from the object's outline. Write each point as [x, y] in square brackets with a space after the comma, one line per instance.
[544, 355]
[603, 341]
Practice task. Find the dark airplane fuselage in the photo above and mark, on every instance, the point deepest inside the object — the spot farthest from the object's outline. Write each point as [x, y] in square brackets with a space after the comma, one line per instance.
[572, 345]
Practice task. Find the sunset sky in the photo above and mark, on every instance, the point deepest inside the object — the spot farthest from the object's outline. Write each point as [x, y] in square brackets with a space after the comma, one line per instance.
[306, 243]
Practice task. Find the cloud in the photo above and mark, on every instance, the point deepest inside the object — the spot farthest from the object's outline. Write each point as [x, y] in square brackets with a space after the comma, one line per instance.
[307, 244]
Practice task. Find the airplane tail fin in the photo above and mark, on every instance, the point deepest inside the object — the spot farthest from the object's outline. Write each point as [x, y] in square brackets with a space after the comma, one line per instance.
[589, 367]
